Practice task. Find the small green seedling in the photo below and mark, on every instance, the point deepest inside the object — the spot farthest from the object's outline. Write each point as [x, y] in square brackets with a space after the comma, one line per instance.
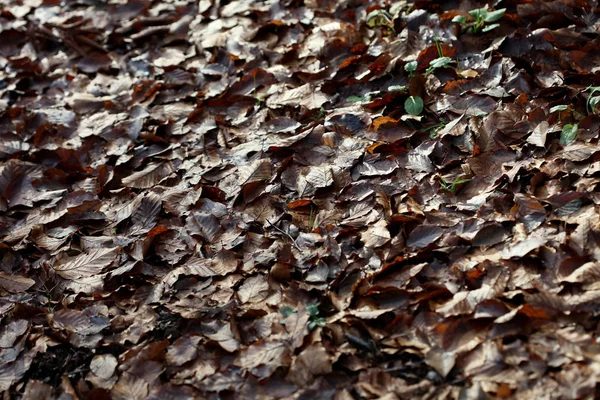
[482, 20]
[451, 187]
[561, 107]
[313, 312]
[568, 134]
[321, 114]
[592, 100]
[440, 62]
[434, 129]
[414, 105]
[286, 311]
[411, 67]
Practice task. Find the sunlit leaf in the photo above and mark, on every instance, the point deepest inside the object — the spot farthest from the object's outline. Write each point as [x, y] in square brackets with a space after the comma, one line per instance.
[478, 13]
[493, 16]
[488, 28]
[459, 19]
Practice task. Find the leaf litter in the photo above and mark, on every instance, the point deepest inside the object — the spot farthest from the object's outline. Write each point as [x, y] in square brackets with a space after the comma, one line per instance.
[274, 199]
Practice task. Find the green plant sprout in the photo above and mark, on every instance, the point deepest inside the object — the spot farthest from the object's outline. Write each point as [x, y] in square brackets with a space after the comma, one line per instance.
[313, 312]
[438, 47]
[440, 62]
[434, 129]
[451, 187]
[411, 67]
[322, 113]
[568, 134]
[592, 101]
[286, 311]
[481, 18]
[561, 107]
[414, 105]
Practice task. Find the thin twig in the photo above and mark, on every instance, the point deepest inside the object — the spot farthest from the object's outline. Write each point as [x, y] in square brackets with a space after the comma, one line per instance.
[286, 234]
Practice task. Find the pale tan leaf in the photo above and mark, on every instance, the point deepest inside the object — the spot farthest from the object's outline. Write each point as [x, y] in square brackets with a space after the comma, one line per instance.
[577, 152]
[440, 360]
[256, 171]
[377, 235]
[465, 302]
[15, 283]
[305, 95]
[320, 177]
[225, 338]
[87, 264]
[538, 136]
[263, 358]
[588, 272]
[523, 247]
[296, 325]
[185, 349]
[312, 362]
[254, 289]
[149, 176]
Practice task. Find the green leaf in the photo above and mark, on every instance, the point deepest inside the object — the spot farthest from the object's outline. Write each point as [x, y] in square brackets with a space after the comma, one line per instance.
[411, 66]
[561, 107]
[355, 99]
[568, 134]
[491, 27]
[379, 18]
[493, 16]
[286, 311]
[459, 19]
[478, 13]
[594, 101]
[440, 62]
[400, 88]
[312, 310]
[413, 105]
[593, 89]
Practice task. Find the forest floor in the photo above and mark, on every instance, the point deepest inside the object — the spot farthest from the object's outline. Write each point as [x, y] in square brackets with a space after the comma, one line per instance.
[318, 199]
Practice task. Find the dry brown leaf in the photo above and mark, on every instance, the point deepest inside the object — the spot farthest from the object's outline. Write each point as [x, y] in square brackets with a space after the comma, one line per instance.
[253, 290]
[86, 264]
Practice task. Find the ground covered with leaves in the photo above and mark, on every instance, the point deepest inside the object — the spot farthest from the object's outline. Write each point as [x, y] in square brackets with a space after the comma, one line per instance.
[318, 199]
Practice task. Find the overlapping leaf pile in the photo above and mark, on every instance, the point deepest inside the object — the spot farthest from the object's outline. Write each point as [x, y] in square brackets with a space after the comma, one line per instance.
[228, 199]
